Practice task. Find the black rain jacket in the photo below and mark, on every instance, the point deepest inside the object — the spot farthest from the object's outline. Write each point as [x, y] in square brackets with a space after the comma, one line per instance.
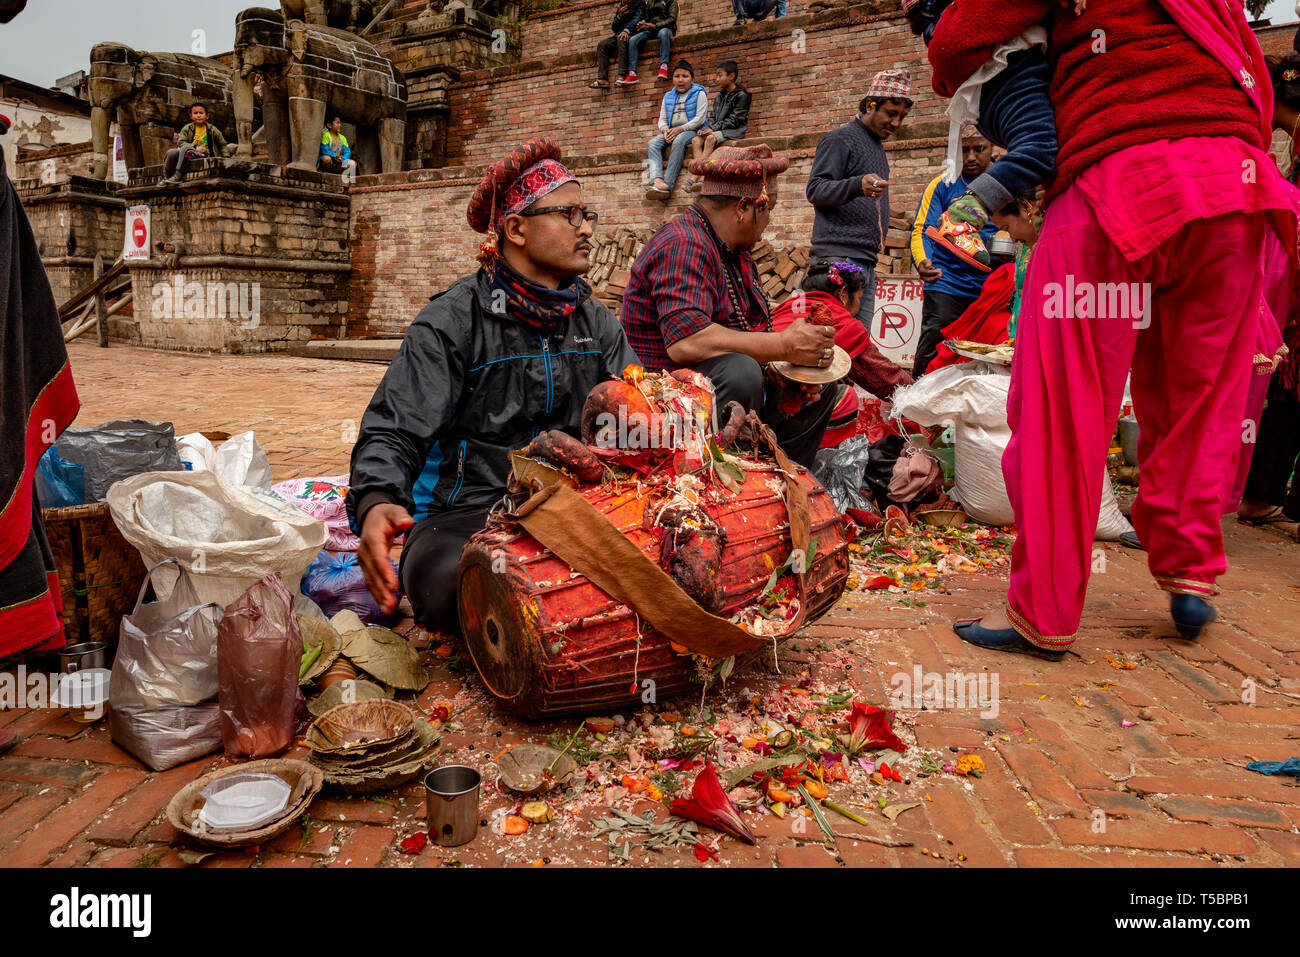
[466, 388]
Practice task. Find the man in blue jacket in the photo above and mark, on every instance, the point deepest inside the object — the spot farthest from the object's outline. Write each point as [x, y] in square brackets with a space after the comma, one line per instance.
[499, 356]
[849, 181]
[951, 285]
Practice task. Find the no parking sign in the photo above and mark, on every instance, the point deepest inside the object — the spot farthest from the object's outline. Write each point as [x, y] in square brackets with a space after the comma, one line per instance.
[138, 244]
[896, 322]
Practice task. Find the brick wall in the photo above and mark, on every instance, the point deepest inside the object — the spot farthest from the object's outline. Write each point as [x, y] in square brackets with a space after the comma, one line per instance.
[73, 220]
[410, 240]
[278, 241]
[580, 26]
[76, 159]
[800, 85]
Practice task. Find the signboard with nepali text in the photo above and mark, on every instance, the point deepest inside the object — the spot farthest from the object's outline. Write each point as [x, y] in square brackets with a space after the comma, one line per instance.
[137, 245]
[896, 322]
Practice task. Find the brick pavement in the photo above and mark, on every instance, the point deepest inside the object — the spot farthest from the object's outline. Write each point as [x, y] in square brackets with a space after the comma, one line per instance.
[1067, 784]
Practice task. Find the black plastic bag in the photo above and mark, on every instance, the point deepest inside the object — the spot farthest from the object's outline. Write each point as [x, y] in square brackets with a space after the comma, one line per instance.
[118, 450]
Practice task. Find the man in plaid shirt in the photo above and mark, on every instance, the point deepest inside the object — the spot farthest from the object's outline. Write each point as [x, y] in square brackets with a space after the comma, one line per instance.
[694, 301]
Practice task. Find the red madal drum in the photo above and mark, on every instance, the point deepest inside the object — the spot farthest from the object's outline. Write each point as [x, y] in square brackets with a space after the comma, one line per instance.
[545, 640]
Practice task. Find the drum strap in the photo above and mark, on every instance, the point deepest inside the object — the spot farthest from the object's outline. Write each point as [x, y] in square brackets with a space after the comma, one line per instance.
[584, 537]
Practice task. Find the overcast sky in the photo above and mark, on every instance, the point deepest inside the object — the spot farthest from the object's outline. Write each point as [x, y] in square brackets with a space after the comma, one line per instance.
[52, 38]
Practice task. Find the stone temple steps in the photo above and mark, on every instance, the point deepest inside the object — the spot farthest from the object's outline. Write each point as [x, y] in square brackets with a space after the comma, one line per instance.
[806, 73]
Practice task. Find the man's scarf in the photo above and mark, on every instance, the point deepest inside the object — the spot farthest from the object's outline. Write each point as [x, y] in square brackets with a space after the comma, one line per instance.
[540, 307]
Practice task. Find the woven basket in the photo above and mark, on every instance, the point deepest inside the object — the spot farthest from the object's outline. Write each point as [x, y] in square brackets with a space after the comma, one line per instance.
[99, 571]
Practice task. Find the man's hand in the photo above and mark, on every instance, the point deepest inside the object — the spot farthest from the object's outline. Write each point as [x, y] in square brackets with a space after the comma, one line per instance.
[202, 149]
[645, 25]
[873, 185]
[672, 134]
[624, 35]
[703, 132]
[929, 271]
[807, 344]
[384, 522]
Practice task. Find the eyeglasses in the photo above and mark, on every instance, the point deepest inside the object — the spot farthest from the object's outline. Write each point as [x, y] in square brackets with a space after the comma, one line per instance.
[575, 214]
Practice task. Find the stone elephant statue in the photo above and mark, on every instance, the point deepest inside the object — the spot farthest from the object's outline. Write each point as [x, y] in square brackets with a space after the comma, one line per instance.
[306, 71]
[149, 95]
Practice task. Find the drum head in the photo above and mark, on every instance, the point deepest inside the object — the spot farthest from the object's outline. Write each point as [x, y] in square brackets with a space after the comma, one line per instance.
[499, 624]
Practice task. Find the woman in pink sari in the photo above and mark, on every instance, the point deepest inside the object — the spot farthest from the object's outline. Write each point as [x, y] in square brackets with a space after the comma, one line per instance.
[1150, 257]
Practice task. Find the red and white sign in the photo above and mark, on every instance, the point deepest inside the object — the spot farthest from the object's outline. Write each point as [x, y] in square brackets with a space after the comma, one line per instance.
[896, 321]
[138, 246]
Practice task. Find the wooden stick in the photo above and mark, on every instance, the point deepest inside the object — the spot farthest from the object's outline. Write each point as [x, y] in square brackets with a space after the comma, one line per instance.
[87, 293]
[76, 321]
[101, 307]
[882, 841]
[378, 17]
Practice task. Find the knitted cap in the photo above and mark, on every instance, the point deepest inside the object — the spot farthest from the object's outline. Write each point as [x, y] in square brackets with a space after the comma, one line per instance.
[891, 85]
[513, 184]
[969, 130]
[748, 172]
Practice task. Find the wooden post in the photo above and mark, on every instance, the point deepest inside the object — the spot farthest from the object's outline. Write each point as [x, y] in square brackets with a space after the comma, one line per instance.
[378, 17]
[101, 308]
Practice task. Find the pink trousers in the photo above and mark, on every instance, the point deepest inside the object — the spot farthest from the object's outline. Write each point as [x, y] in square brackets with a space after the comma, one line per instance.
[1272, 314]
[1185, 318]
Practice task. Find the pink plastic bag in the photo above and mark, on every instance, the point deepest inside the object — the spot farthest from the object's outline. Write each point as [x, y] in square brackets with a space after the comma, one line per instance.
[259, 652]
[325, 499]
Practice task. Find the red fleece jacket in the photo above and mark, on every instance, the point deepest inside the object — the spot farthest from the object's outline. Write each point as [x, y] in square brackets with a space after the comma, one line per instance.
[1152, 82]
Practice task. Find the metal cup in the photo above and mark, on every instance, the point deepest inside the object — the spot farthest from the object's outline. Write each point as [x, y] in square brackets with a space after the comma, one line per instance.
[451, 796]
[87, 654]
[1002, 245]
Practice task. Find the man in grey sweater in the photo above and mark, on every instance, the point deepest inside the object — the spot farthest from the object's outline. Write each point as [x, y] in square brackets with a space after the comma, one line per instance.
[849, 182]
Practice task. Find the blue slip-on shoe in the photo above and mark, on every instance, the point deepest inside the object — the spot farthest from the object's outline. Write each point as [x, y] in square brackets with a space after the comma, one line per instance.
[1191, 613]
[1001, 639]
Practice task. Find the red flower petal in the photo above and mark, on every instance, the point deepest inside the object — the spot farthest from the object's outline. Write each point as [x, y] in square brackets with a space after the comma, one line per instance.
[871, 727]
[709, 805]
[705, 853]
[880, 581]
[413, 844]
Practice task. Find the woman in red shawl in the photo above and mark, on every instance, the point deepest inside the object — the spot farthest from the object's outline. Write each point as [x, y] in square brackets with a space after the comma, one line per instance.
[831, 295]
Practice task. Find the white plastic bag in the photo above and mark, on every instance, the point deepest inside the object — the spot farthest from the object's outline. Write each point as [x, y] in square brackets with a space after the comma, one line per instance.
[163, 691]
[975, 405]
[228, 537]
[239, 461]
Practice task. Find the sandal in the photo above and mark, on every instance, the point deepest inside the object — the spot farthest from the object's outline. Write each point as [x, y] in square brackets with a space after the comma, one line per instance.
[1002, 639]
[1191, 613]
[1274, 516]
[599, 85]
